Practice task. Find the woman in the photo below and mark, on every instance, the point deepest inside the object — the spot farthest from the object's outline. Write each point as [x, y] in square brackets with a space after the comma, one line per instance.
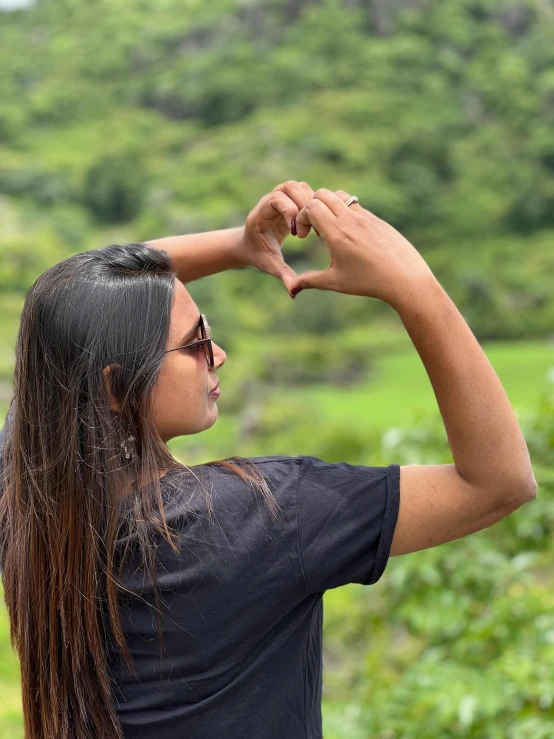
[151, 599]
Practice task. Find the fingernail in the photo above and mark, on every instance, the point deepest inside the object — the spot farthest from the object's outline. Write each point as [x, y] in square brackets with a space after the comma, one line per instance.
[293, 226]
[294, 292]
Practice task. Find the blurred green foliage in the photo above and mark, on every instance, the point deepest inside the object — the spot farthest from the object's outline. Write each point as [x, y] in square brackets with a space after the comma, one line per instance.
[138, 119]
[457, 640]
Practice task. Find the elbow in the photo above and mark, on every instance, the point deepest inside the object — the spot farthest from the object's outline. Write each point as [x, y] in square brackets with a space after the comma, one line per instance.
[533, 490]
[524, 490]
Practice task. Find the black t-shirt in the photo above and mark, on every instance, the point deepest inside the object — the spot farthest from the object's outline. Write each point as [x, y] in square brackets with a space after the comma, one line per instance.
[242, 603]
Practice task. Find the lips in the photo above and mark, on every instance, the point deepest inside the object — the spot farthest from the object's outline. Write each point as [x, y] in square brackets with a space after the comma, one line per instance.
[216, 387]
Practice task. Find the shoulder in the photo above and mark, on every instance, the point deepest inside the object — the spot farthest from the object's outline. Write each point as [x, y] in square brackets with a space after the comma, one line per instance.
[277, 460]
[280, 465]
[281, 473]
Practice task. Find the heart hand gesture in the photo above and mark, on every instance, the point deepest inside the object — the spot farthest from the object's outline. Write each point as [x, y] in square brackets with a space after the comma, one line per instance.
[267, 226]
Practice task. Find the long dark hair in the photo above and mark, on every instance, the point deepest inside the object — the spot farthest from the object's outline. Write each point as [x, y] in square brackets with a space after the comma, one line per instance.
[67, 487]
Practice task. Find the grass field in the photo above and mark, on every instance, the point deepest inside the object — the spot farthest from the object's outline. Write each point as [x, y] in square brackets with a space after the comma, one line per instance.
[399, 382]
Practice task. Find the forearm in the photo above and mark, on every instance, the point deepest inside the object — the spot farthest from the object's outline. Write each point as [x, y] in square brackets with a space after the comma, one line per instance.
[485, 438]
[199, 255]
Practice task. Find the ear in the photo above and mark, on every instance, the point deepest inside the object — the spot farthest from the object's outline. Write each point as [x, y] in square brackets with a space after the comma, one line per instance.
[107, 381]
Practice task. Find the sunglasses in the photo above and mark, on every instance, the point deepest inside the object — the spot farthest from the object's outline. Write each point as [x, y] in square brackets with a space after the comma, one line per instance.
[205, 343]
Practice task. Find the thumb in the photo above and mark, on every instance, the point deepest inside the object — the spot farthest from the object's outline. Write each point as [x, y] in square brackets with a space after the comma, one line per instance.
[318, 280]
[288, 277]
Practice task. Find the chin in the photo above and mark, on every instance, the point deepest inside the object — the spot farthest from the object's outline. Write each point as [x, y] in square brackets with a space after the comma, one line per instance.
[211, 418]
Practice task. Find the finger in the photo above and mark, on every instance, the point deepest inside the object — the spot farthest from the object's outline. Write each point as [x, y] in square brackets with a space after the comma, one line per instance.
[345, 196]
[277, 202]
[288, 277]
[284, 273]
[318, 215]
[301, 194]
[307, 189]
[274, 264]
[303, 231]
[334, 202]
[320, 280]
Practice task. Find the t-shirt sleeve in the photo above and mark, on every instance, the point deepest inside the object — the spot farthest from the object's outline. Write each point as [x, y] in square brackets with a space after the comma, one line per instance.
[346, 517]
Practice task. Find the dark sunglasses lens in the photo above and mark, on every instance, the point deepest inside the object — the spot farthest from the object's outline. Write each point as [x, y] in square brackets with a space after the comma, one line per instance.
[208, 351]
[209, 354]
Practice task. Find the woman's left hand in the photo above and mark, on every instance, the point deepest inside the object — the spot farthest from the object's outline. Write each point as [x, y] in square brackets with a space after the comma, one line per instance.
[267, 226]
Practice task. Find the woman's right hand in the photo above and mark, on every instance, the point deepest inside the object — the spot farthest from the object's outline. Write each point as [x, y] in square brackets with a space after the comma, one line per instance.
[368, 256]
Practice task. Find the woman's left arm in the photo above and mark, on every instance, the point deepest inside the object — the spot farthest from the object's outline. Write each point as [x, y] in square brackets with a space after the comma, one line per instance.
[199, 255]
[258, 243]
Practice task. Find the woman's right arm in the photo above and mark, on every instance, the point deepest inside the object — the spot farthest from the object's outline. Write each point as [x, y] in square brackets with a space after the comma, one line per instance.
[492, 474]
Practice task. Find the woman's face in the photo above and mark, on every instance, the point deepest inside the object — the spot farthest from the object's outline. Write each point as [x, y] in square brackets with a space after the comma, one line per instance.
[182, 404]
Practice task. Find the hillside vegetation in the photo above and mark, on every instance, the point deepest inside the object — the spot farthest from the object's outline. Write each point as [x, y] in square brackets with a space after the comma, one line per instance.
[137, 119]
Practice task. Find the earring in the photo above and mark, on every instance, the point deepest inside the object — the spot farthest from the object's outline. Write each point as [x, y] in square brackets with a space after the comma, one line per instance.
[128, 446]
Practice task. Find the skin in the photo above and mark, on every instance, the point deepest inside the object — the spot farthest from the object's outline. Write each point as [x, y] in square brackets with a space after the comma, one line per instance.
[182, 404]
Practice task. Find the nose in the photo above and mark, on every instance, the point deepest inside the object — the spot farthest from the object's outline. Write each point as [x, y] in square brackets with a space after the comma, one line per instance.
[220, 357]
